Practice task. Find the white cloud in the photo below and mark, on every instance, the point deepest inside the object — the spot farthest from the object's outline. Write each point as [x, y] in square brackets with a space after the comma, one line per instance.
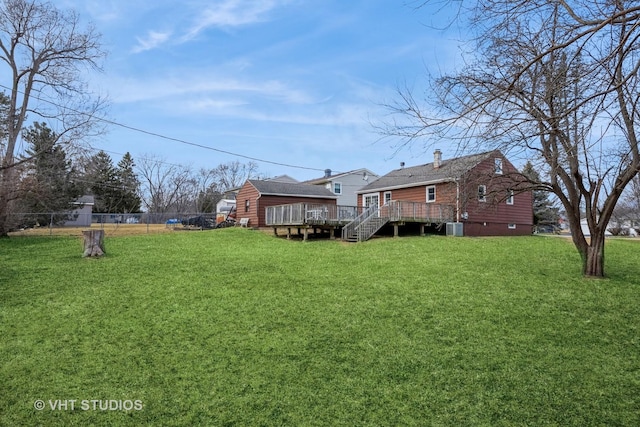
[231, 13]
[151, 41]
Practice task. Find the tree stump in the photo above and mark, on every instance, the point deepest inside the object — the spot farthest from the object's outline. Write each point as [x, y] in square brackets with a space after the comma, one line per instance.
[93, 243]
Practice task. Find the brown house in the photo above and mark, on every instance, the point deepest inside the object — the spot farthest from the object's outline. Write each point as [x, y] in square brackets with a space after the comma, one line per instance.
[486, 192]
[256, 195]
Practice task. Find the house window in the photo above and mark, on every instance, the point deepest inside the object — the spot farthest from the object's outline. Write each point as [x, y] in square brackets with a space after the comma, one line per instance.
[337, 188]
[498, 166]
[482, 193]
[246, 205]
[387, 197]
[431, 193]
[510, 197]
[512, 226]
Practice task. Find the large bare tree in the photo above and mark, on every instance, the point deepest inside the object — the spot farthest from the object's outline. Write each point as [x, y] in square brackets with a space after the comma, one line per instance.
[555, 82]
[45, 53]
[166, 187]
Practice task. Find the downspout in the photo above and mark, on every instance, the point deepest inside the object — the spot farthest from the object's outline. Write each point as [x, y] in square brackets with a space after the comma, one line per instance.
[457, 200]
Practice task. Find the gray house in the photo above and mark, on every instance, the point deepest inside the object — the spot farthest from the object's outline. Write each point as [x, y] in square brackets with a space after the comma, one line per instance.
[346, 184]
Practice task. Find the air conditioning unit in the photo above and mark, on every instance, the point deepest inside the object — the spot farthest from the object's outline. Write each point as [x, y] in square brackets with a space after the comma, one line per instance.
[455, 229]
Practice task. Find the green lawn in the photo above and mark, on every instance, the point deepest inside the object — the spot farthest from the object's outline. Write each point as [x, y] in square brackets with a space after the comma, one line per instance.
[235, 327]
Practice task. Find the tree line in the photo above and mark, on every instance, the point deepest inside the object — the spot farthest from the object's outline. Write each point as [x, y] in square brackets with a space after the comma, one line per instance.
[49, 180]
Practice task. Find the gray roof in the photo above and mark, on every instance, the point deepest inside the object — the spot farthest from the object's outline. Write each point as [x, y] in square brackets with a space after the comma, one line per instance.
[326, 179]
[283, 178]
[87, 199]
[449, 170]
[276, 188]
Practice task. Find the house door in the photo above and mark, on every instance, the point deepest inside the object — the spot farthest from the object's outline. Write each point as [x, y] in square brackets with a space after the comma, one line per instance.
[372, 199]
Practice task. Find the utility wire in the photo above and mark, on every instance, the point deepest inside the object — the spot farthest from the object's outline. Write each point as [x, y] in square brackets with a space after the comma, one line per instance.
[168, 138]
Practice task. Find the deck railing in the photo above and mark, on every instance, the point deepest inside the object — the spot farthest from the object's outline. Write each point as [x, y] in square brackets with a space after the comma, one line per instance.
[310, 214]
[417, 212]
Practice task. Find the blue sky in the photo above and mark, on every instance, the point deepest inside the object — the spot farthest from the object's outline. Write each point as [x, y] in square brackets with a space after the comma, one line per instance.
[296, 82]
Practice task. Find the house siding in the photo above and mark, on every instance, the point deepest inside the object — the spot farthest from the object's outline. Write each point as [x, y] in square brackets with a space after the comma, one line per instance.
[258, 203]
[490, 218]
[351, 182]
[250, 193]
[445, 194]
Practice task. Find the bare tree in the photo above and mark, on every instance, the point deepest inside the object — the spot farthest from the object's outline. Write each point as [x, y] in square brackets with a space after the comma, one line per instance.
[45, 51]
[555, 82]
[233, 174]
[167, 188]
[207, 190]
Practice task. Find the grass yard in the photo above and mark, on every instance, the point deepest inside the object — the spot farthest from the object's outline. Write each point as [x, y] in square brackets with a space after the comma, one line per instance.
[235, 327]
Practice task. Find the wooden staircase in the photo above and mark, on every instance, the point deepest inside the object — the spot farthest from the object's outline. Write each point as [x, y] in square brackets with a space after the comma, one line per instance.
[364, 226]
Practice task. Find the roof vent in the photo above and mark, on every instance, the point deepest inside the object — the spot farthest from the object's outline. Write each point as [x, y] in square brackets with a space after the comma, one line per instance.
[401, 165]
[327, 173]
[437, 158]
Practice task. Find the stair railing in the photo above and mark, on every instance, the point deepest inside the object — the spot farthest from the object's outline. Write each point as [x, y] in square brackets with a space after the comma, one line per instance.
[351, 229]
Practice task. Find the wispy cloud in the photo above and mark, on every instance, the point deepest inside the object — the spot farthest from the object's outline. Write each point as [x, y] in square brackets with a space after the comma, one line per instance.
[231, 13]
[152, 40]
[207, 83]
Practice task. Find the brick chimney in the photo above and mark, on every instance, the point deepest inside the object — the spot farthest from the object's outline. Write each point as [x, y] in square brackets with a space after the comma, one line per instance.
[437, 158]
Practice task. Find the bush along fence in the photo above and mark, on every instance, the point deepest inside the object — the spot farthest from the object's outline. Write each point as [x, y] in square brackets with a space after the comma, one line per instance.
[49, 222]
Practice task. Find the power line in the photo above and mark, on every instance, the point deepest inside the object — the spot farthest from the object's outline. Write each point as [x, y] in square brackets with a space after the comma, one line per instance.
[169, 138]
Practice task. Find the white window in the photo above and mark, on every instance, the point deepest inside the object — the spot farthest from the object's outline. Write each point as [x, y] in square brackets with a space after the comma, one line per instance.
[498, 166]
[387, 197]
[510, 197]
[482, 193]
[337, 188]
[512, 226]
[431, 193]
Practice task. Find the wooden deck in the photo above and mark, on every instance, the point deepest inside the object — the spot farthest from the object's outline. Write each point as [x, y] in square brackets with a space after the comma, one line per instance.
[311, 216]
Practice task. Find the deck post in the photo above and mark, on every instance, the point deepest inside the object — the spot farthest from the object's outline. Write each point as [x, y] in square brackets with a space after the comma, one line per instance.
[395, 230]
[275, 231]
[422, 230]
[306, 234]
[332, 233]
[288, 233]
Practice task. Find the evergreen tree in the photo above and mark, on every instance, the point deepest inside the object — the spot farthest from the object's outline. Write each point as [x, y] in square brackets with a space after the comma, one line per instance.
[103, 183]
[50, 180]
[129, 184]
[544, 213]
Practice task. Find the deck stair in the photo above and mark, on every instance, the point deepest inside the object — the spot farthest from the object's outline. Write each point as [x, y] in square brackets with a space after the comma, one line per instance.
[365, 225]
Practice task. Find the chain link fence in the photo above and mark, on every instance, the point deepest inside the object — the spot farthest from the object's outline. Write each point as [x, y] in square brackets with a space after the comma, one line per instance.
[64, 223]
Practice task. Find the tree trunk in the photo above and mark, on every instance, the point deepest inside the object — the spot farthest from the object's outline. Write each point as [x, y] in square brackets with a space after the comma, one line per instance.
[93, 243]
[594, 262]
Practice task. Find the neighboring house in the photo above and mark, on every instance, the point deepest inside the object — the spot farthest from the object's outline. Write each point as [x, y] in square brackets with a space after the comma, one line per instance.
[82, 212]
[224, 206]
[485, 191]
[225, 209]
[283, 178]
[344, 185]
[256, 195]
